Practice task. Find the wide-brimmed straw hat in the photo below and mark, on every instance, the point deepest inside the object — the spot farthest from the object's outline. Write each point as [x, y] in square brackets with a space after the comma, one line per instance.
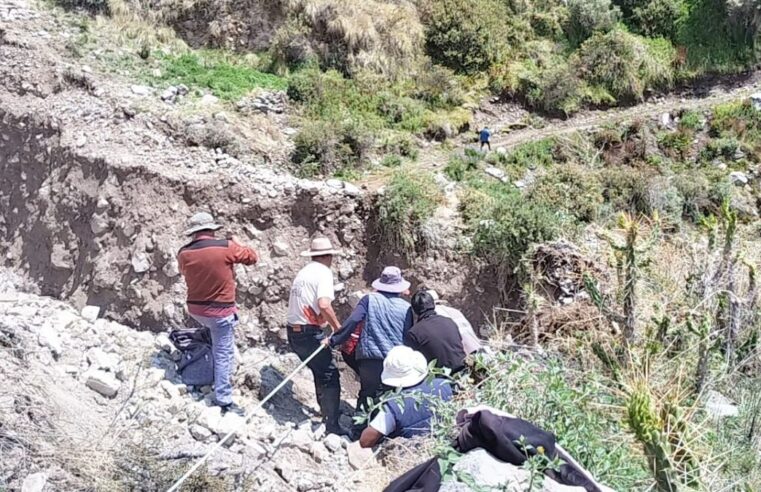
[391, 281]
[202, 221]
[321, 246]
[404, 367]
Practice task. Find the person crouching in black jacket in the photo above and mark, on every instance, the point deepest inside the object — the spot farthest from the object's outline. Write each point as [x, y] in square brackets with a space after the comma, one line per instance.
[436, 337]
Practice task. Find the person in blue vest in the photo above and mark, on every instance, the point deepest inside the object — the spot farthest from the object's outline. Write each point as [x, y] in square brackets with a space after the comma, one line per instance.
[387, 318]
[484, 136]
[411, 413]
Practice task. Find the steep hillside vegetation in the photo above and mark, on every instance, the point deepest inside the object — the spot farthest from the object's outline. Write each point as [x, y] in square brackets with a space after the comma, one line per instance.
[369, 76]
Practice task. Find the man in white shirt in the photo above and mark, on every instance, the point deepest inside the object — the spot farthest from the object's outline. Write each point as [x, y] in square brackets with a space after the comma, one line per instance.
[310, 311]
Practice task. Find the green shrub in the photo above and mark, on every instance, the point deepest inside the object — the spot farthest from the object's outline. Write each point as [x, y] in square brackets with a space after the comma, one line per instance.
[382, 37]
[586, 17]
[626, 190]
[738, 120]
[460, 165]
[330, 96]
[438, 87]
[625, 65]
[571, 189]
[391, 160]
[465, 35]
[402, 112]
[505, 225]
[695, 191]
[441, 125]
[677, 143]
[402, 144]
[664, 197]
[323, 147]
[692, 120]
[226, 75]
[713, 43]
[660, 18]
[542, 78]
[574, 404]
[410, 198]
[531, 155]
[719, 148]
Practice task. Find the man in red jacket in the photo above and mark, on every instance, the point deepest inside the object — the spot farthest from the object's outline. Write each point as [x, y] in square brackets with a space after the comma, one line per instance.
[207, 265]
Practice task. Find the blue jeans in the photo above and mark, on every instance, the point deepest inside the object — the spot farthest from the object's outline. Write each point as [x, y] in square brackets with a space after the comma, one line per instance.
[223, 349]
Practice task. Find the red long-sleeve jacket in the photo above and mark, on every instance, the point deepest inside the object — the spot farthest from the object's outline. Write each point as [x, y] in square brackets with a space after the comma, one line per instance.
[207, 265]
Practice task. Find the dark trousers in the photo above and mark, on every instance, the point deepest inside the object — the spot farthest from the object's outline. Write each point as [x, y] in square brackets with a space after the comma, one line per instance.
[370, 385]
[485, 142]
[327, 383]
[351, 361]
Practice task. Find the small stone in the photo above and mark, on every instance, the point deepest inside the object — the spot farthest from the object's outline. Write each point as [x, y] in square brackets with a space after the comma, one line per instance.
[335, 183]
[208, 100]
[170, 390]
[141, 90]
[301, 439]
[140, 262]
[172, 268]
[163, 343]
[99, 359]
[739, 178]
[99, 225]
[720, 406]
[49, 337]
[497, 173]
[333, 442]
[489, 472]
[280, 248]
[34, 482]
[199, 432]
[90, 313]
[352, 190]
[60, 258]
[319, 452]
[359, 457]
[102, 382]
[286, 471]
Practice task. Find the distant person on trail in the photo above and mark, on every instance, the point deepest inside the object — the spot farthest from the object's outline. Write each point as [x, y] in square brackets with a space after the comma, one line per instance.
[484, 136]
[386, 317]
[435, 336]
[207, 265]
[470, 342]
[310, 311]
[407, 369]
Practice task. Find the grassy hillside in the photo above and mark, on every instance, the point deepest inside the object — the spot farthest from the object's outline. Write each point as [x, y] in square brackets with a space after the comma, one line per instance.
[371, 75]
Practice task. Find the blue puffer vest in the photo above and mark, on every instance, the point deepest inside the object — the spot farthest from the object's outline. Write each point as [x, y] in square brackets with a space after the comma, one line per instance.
[411, 421]
[384, 326]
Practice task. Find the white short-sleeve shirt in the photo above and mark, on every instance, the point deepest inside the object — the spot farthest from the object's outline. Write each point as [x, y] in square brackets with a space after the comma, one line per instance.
[384, 422]
[312, 283]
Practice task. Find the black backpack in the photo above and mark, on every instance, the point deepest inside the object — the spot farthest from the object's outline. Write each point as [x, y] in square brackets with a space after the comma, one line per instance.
[196, 366]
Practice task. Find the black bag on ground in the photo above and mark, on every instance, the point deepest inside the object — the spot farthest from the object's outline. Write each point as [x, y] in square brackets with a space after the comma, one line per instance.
[196, 366]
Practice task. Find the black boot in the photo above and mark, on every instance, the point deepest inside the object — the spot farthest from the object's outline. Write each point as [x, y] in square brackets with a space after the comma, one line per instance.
[330, 406]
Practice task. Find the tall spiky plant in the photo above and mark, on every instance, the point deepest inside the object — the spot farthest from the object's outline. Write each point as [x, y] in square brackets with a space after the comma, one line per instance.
[630, 257]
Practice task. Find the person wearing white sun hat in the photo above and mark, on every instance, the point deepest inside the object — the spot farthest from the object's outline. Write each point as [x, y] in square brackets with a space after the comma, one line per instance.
[406, 369]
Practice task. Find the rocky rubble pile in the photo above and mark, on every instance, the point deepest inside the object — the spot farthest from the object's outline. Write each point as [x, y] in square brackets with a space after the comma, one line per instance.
[86, 377]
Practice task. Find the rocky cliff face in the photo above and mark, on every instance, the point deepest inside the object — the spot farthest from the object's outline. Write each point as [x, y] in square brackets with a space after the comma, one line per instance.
[88, 227]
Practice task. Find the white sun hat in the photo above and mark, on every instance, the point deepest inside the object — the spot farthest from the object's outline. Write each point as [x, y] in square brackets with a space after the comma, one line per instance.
[404, 367]
[202, 221]
[321, 246]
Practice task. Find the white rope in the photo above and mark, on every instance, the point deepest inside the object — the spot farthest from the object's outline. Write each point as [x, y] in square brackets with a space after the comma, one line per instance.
[216, 447]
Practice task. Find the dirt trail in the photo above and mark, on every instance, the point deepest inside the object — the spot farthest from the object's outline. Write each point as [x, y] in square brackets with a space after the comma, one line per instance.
[699, 97]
